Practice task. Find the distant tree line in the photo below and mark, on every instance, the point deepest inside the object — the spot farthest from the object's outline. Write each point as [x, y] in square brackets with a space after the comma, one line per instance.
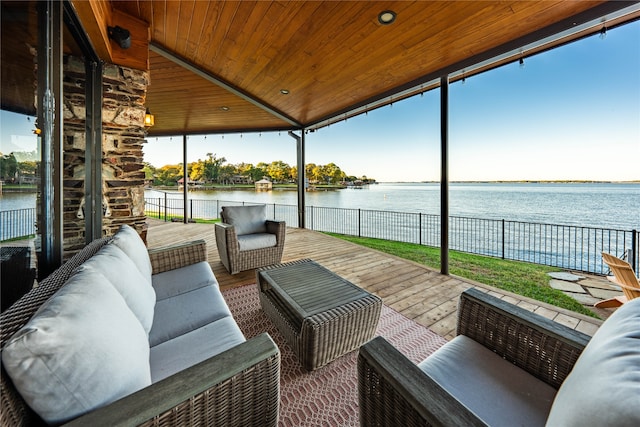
[16, 172]
[216, 170]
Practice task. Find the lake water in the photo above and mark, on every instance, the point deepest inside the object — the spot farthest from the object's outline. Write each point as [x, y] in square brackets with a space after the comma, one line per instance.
[603, 205]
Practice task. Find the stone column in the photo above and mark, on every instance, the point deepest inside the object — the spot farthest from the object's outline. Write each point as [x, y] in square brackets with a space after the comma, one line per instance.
[123, 133]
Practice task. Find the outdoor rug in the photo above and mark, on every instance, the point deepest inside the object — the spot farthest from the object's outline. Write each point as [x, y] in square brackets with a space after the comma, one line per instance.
[327, 396]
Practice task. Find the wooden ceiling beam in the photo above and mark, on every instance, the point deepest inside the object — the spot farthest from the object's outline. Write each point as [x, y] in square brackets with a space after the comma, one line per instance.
[96, 16]
[224, 84]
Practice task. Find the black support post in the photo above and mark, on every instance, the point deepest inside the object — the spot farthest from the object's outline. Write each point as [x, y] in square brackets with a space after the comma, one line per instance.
[94, 210]
[300, 148]
[185, 184]
[444, 178]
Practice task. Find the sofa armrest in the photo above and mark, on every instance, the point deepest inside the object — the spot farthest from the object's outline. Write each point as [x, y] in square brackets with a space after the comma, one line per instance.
[177, 256]
[240, 386]
[393, 391]
[542, 347]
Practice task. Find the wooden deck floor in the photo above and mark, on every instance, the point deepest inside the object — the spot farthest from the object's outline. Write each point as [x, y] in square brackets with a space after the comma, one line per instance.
[421, 294]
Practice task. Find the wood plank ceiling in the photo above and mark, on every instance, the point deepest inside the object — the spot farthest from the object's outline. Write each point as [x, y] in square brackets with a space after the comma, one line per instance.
[221, 66]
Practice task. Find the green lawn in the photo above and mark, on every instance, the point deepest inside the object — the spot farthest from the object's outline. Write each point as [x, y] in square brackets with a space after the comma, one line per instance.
[522, 278]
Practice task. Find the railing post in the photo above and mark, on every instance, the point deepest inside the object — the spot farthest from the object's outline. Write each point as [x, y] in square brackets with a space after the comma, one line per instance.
[359, 222]
[503, 239]
[634, 251]
[165, 207]
[420, 228]
[191, 208]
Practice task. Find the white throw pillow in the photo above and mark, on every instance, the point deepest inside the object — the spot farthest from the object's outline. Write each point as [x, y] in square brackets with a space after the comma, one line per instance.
[83, 349]
[127, 239]
[603, 387]
[246, 219]
[123, 274]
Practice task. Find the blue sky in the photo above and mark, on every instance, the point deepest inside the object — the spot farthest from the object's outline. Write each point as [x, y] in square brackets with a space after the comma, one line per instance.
[572, 113]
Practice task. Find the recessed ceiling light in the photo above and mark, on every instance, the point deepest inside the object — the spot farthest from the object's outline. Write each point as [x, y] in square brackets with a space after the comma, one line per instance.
[284, 91]
[225, 108]
[386, 17]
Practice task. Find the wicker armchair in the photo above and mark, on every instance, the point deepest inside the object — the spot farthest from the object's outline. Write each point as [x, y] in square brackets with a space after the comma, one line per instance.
[245, 238]
[394, 391]
[237, 387]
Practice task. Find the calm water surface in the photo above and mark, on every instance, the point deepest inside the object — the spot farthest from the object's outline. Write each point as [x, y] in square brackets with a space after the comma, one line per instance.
[592, 205]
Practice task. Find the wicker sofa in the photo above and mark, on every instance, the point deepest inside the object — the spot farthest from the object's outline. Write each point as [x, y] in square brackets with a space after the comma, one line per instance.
[508, 366]
[159, 348]
[247, 240]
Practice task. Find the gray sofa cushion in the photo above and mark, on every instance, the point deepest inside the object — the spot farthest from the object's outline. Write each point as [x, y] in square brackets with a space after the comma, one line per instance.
[123, 274]
[497, 391]
[127, 239]
[180, 280]
[604, 386]
[246, 219]
[184, 312]
[83, 349]
[186, 350]
[249, 242]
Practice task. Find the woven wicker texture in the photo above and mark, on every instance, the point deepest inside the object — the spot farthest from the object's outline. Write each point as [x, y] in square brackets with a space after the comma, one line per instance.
[321, 315]
[178, 256]
[236, 260]
[244, 385]
[326, 396]
[534, 344]
[243, 400]
[393, 391]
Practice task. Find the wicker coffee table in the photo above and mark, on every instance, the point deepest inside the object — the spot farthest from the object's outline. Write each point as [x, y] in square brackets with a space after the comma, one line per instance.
[321, 315]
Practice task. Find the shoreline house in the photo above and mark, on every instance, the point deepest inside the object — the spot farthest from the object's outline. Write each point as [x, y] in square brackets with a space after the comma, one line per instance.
[264, 185]
[190, 183]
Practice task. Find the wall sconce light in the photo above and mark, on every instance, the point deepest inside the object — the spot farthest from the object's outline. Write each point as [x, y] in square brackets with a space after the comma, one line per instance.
[149, 119]
[120, 36]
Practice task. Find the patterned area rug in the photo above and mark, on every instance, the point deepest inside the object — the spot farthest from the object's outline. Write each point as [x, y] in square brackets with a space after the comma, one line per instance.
[327, 396]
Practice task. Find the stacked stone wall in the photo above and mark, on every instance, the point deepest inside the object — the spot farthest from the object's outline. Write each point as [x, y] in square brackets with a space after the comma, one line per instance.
[123, 134]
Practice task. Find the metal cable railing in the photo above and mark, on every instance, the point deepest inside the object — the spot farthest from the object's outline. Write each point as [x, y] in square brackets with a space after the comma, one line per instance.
[564, 246]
